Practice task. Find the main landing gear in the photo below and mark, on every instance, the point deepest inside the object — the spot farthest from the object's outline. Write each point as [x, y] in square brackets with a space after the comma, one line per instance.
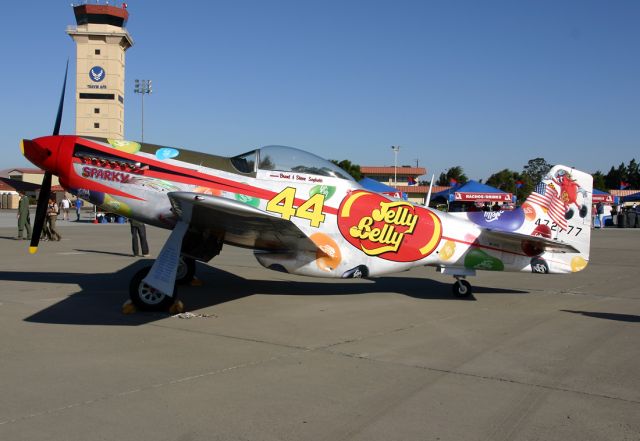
[186, 270]
[461, 288]
[147, 298]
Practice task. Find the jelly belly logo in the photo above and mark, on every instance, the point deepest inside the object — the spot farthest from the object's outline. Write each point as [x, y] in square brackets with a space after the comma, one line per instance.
[105, 175]
[391, 230]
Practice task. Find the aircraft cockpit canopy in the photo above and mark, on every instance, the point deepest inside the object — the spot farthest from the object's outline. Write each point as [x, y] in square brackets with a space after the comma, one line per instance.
[287, 159]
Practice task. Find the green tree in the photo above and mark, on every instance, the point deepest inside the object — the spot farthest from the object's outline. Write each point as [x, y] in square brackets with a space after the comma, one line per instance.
[456, 173]
[536, 169]
[349, 167]
[513, 182]
[599, 181]
[504, 180]
[616, 176]
[633, 174]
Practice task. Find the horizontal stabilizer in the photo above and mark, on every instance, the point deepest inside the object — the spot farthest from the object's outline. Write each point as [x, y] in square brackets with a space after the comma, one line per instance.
[517, 239]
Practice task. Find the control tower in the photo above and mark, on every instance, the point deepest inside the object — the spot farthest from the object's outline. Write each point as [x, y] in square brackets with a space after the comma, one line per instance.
[101, 41]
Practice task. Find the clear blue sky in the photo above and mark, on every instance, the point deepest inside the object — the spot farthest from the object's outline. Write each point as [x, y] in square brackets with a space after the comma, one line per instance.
[485, 85]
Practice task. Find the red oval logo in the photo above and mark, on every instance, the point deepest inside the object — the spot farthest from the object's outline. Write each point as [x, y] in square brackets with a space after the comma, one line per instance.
[391, 230]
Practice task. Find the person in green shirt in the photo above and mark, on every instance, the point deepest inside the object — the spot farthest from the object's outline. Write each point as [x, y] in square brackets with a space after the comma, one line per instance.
[24, 220]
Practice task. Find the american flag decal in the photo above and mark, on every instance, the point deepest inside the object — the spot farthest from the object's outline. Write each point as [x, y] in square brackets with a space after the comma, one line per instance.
[547, 196]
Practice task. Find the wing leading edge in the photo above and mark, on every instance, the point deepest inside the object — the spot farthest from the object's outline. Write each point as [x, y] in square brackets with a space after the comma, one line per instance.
[239, 223]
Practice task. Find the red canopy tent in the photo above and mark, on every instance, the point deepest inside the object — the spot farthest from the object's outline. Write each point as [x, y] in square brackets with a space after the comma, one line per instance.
[601, 196]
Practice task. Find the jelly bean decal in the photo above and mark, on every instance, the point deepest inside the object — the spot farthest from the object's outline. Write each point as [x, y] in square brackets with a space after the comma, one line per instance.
[531, 248]
[328, 255]
[114, 205]
[448, 250]
[166, 153]
[578, 264]
[124, 146]
[500, 220]
[254, 202]
[478, 259]
[529, 211]
[208, 190]
[326, 190]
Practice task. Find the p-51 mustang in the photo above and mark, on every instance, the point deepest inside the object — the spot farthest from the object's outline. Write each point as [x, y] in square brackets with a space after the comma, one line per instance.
[304, 215]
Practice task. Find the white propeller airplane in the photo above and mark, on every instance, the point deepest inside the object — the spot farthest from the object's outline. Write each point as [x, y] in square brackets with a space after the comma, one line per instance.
[304, 215]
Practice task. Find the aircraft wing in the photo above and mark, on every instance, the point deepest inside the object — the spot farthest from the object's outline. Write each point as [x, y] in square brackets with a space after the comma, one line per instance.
[239, 223]
[516, 239]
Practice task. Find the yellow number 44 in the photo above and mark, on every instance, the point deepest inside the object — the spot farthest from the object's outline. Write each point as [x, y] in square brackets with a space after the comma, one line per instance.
[311, 209]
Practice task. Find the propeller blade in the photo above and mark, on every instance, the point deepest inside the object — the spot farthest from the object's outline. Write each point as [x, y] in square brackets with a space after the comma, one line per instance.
[56, 128]
[41, 212]
[45, 189]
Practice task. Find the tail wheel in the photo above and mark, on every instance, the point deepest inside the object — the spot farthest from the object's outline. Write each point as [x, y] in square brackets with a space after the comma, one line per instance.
[186, 270]
[147, 298]
[461, 288]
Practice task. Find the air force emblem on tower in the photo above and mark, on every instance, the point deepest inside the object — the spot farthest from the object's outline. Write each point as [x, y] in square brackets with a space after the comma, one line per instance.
[97, 74]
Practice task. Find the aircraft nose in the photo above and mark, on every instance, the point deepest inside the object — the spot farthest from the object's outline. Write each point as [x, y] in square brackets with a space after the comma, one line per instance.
[42, 152]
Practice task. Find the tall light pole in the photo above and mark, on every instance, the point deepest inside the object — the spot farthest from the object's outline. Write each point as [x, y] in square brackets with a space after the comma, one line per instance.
[142, 87]
[396, 149]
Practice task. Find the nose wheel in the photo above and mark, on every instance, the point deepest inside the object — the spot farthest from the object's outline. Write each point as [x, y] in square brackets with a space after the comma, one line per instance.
[461, 288]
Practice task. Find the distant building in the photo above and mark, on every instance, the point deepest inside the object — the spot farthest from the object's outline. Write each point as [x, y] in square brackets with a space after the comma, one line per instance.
[403, 178]
[33, 176]
[29, 180]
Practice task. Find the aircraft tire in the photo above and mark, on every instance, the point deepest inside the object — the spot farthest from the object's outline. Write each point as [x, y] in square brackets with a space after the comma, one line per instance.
[186, 270]
[461, 288]
[145, 297]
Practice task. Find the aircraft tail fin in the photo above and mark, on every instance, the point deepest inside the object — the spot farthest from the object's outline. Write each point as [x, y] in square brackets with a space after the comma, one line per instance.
[560, 208]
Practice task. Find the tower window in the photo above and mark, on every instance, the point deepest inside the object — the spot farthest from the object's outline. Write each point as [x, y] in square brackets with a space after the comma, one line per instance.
[96, 110]
[97, 51]
[96, 125]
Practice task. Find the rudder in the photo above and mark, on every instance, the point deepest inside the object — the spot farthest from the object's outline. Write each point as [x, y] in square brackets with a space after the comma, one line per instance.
[560, 208]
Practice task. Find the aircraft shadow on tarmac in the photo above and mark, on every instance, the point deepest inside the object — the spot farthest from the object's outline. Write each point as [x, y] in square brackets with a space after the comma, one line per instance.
[607, 315]
[103, 252]
[101, 295]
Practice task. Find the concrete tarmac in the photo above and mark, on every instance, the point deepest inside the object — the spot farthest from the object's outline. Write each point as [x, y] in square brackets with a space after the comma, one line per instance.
[280, 357]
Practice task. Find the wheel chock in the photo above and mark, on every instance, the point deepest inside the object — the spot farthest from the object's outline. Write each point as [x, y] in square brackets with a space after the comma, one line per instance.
[176, 308]
[129, 308]
[195, 282]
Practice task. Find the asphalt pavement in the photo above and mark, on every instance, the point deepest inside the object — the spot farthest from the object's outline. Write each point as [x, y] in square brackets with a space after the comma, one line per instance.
[270, 356]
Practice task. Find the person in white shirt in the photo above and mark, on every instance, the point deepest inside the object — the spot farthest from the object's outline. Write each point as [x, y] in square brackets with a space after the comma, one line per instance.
[66, 204]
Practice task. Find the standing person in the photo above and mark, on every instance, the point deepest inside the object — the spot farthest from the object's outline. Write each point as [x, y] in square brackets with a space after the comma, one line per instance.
[78, 204]
[52, 216]
[600, 208]
[24, 221]
[66, 204]
[139, 230]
